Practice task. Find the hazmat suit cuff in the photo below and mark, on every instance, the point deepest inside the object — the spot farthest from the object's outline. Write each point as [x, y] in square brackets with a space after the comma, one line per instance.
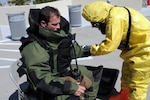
[95, 50]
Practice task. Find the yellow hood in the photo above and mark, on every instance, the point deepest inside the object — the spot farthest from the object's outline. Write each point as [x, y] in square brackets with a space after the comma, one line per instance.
[93, 12]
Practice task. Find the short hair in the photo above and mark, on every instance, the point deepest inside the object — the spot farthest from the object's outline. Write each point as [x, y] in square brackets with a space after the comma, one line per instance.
[47, 12]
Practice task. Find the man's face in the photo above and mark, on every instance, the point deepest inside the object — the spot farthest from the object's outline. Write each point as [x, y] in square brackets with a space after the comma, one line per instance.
[54, 23]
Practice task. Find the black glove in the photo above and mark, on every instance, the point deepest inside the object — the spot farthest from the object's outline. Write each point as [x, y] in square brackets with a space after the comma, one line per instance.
[86, 50]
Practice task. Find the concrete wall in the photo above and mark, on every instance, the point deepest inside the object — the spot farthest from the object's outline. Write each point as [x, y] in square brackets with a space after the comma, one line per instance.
[129, 3]
[84, 2]
[5, 10]
[0, 35]
[136, 4]
[62, 5]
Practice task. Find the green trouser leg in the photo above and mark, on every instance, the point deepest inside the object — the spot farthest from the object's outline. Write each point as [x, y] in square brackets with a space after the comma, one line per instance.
[67, 97]
[89, 94]
[62, 97]
[92, 94]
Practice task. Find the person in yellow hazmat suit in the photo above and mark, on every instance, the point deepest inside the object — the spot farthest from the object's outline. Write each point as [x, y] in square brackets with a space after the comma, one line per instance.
[128, 30]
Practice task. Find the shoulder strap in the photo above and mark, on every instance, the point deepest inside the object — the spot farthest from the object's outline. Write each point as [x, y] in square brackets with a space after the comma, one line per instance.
[129, 28]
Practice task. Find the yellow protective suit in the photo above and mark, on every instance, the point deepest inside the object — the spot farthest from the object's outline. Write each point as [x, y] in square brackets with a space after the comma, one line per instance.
[136, 65]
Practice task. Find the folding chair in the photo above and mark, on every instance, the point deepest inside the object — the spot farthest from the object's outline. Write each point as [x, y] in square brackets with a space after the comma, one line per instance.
[107, 83]
[15, 77]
